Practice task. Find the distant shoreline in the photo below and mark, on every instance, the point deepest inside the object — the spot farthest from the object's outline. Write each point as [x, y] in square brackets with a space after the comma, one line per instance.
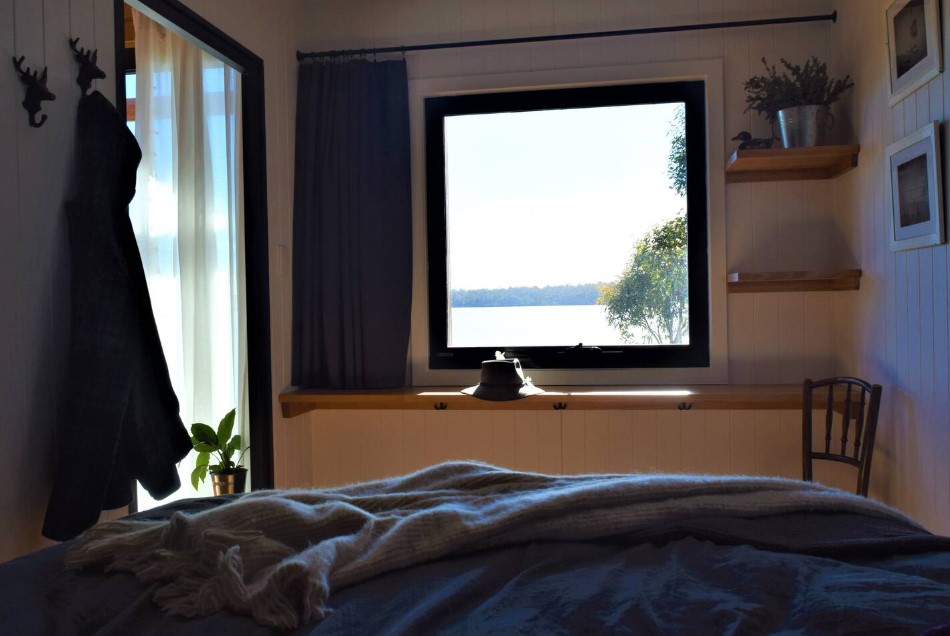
[585, 294]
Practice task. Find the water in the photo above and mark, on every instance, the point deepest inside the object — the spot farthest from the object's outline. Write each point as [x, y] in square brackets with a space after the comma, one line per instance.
[551, 326]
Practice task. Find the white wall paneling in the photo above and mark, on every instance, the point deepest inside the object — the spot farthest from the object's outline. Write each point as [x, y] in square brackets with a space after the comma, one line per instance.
[35, 165]
[894, 330]
[34, 326]
[349, 446]
[772, 337]
[11, 389]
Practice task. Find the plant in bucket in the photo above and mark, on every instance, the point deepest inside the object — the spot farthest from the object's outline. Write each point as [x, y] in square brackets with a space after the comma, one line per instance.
[227, 476]
[798, 99]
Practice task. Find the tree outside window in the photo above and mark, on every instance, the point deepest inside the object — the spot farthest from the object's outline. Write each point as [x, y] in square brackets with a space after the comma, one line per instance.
[650, 300]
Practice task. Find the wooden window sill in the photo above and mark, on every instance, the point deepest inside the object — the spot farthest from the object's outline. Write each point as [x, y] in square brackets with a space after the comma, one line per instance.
[710, 396]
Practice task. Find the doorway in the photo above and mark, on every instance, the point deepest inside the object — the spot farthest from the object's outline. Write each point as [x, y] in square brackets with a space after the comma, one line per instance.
[200, 215]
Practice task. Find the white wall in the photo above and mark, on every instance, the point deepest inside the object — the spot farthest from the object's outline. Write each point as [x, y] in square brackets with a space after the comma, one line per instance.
[34, 167]
[875, 332]
[773, 338]
[769, 226]
[895, 329]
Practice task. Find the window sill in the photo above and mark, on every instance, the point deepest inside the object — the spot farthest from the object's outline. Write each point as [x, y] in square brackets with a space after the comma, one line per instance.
[685, 397]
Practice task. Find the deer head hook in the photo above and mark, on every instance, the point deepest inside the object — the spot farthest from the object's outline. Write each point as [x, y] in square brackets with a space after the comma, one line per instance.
[88, 69]
[36, 91]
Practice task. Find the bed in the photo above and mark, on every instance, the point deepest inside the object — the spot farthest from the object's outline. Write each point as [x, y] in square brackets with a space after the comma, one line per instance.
[466, 548]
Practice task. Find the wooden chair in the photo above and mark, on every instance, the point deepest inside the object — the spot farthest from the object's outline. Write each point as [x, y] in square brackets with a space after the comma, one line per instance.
[857, 402]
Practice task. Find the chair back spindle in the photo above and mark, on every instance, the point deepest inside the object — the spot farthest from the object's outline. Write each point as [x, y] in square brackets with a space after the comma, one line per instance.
[859, 425]
[829, 417]
[846, 420]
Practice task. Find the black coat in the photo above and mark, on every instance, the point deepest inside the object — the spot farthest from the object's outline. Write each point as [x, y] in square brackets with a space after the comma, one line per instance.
[120, 420]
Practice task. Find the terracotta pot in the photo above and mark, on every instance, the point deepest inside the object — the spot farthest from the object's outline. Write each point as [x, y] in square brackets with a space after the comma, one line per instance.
[229, 483]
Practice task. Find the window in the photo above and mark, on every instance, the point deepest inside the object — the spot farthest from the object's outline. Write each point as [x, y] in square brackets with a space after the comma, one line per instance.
[183, 103]
[568, 227]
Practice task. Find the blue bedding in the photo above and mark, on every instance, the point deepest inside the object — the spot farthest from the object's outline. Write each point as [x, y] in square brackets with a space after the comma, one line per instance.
[806, 573]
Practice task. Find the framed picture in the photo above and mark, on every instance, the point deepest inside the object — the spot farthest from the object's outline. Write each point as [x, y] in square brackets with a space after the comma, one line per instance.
[916, 190]
[913, 45]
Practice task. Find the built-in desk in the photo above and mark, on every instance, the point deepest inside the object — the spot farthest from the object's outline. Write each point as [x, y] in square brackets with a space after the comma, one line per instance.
[710, 396]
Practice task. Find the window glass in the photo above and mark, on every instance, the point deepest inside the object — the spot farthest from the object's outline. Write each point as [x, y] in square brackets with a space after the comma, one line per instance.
[568, 227]
[585, 185]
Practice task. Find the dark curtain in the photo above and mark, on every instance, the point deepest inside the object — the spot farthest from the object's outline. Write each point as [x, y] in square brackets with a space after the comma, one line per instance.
[352, 269]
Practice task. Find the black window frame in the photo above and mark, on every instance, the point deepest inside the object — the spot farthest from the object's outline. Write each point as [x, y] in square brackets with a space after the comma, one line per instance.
[257, 282]
[694, 354]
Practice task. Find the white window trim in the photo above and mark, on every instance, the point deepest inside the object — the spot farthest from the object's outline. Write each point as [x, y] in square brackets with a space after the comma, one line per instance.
[708, 70]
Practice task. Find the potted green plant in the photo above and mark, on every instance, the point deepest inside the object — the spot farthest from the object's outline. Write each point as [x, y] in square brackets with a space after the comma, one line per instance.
[227, 476]
[798, 100]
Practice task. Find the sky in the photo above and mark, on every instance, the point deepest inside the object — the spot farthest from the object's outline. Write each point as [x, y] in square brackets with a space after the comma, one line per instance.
[554, 197]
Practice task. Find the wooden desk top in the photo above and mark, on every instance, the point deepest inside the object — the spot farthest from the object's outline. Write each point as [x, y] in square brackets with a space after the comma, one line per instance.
[709, 396]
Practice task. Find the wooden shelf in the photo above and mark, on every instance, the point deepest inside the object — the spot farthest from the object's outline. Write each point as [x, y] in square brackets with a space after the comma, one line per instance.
[748, 282]
[788, 164]
[717, 396]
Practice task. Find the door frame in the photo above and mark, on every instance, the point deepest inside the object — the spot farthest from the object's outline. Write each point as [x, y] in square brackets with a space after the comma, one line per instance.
[185, 22]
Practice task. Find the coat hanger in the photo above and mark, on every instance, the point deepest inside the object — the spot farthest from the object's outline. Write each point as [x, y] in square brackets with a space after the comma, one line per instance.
[36, 90]
[88, 69]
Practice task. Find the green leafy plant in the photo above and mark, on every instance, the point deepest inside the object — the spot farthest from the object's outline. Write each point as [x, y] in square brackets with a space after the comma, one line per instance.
[652, 293]
[807, 85]
[219, 445]
[676, 161]
[649, 302]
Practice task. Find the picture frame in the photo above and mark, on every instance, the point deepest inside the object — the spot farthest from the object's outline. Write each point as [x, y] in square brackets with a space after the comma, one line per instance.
[915, 190]
[913, 46]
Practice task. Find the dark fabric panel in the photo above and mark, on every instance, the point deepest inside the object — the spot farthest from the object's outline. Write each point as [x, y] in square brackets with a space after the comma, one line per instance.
[352, 270]
[121, 419]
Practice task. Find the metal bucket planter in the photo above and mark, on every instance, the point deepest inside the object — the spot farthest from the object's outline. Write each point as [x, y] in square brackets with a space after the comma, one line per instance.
[802, 126]
[229, 483]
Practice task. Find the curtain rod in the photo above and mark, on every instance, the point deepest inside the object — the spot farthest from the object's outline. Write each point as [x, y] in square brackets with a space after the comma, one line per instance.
[833, 17]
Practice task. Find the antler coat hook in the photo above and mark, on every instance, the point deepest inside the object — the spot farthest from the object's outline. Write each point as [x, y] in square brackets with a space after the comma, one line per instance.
[36, 91]
[88, 69]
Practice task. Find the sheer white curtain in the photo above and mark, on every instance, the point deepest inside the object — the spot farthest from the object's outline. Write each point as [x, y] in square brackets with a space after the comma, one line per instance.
[188, 215]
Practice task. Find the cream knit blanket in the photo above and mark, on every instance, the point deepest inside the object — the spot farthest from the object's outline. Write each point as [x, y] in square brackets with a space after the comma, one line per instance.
[277, 555]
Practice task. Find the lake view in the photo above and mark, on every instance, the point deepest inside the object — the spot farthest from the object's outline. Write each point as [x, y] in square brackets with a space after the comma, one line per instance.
[550, 325]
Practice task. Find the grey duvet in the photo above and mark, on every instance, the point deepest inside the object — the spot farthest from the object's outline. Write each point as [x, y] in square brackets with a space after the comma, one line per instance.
[788, 573]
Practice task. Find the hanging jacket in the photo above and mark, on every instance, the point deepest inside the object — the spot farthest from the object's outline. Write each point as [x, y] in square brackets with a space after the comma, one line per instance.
[120, 420]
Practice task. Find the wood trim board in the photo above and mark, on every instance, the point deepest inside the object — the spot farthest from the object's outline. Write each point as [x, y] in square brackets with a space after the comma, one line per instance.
[687, 397]
[789, 281]
[787, 164]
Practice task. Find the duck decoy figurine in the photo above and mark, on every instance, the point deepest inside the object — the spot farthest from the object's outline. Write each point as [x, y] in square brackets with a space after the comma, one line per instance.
[747, 142]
